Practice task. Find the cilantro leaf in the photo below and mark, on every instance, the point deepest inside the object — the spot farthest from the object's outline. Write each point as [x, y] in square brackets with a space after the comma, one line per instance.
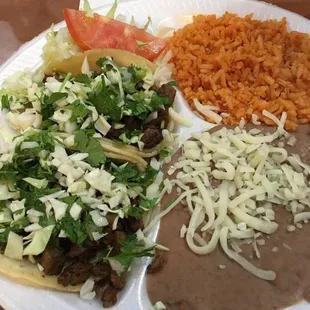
[32, 195]
[145, 204]
[44, 138]
[79, 110]
[157, 102]
[130, 249]
[8, 173]
[47, 103]
[90, 145]
[106, 101]
[101, 62]
[136, 212]
[81, 138]
[83, 79]
[90, 226]
[163, 153]
[69, 200]
[141, 107]
[73, 229]
[95, 152]
[137, 73]
[148, 204]
[130, 176]
[56, 97]
[173, 83]
[5, 103]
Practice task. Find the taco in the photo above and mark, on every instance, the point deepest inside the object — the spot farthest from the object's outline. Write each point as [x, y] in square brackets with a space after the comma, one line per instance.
[72, 198]
[133, 107]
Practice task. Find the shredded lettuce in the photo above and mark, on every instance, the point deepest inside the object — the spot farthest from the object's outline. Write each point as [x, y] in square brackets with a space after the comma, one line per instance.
[149, 21]
[14, 246]
[112, 11]
[39, 241]
[87, 8]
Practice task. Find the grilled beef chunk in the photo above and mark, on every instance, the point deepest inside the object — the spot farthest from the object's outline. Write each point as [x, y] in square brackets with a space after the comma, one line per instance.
[109, 238]
[52, 260]
[162, 116]
[151, 136]
[117, 281]
[135, 224]
[156, 265]
[76, 273]
[100, 286]
[109, 297]
[102, 270]
[121, 223]
[111, 217]
[139, 85]
[131, 123]
[168, 91]
[118, 236]
[82, 253]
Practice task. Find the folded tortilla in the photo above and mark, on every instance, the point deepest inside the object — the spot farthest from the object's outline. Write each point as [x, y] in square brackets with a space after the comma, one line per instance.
[27, 273]
[120, 57]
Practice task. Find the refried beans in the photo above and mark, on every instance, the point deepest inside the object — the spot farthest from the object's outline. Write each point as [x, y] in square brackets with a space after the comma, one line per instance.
[192, 282]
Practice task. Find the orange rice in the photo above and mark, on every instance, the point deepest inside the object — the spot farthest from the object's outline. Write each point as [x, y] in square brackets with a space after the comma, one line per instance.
[244, 66]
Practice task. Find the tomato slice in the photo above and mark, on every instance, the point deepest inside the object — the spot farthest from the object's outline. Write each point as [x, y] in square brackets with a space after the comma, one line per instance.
[102, 32]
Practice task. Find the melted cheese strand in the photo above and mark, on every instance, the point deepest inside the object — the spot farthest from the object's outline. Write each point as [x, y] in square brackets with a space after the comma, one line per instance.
[207, 202]
[263, 274]
[166, 211]
[222, 205]
[263, 226]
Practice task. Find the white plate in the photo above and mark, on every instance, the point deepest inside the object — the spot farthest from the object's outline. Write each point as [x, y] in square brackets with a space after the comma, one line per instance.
[134, 297]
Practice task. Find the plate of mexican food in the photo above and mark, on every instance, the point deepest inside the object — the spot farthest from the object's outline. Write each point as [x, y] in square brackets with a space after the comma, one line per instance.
[155, 155]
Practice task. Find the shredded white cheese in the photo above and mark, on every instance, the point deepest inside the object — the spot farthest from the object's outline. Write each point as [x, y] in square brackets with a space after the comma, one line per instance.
[230, 180]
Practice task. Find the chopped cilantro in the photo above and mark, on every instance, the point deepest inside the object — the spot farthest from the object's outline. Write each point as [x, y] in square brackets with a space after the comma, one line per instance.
[141, 107]
[157, 102]
[83, 79]
[106, 101]
[173, 83]
[5, 102]
[73, 229]
[145, 204]
[69, 200]
[130, 176]
[47, 103]
[44, 138]
[101, 62]
[135, 211]
[56, 97]
[79, 110]
[137, 73]
[95, 152]
[90, 226]
[163, 153]
[130, 249]
[32, 195]
[90, 145]
[148, 204]
[67, 78]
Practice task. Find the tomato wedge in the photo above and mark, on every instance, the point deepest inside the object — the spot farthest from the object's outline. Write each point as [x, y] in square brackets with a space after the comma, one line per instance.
[102, 32]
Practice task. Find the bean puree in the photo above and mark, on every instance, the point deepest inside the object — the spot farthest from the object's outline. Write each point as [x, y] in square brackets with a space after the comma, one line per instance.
[191, 282]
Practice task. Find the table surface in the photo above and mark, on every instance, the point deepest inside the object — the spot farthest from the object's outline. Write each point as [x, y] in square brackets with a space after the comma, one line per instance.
[21, 20]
